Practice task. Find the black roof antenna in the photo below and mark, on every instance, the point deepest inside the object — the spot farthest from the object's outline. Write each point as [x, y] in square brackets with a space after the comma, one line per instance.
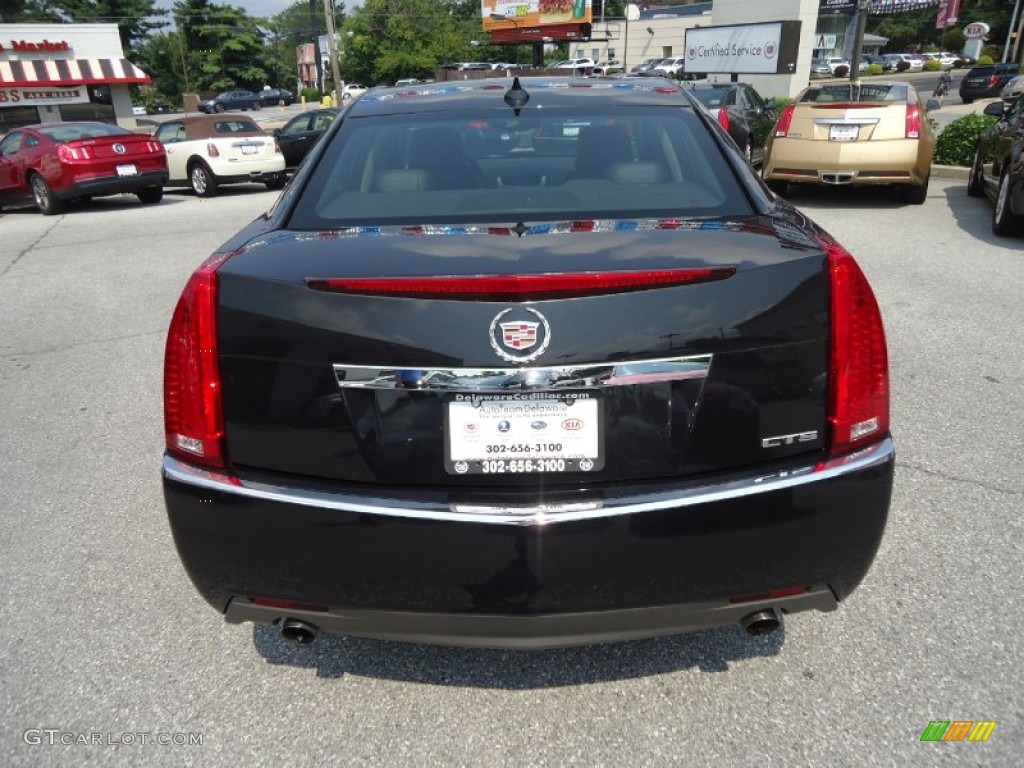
[516, 97]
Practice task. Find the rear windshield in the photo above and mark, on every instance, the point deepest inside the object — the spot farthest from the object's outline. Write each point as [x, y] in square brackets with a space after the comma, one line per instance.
[711, 97]
[556, 164]
[75, 131]
[235, 126]
[875, 92]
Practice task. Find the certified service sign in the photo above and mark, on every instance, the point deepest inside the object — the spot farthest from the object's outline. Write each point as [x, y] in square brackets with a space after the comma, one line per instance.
[747, 48]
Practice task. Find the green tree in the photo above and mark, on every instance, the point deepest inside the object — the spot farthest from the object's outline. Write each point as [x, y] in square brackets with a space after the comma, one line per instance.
[385, 40]
[26, 11]
[163, 57]
[134, 18]
[293, 25]
[224, 47]
[911, 30]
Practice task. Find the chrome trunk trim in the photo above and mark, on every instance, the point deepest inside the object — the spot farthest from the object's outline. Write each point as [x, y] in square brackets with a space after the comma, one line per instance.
[596, 505]
[505, 379]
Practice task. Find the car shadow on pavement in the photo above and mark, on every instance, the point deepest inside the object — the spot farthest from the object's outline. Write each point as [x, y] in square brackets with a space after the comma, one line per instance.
[109, 203]
[864, 198]
[233, 190]
[974, 216]
[334, 656]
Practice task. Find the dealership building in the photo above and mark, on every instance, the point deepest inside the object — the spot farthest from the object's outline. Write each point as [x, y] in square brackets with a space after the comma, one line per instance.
[60, 72]
[789, 35]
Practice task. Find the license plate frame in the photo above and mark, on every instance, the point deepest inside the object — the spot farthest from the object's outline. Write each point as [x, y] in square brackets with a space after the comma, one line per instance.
[524, 433]
[843, 132]
[127, 169]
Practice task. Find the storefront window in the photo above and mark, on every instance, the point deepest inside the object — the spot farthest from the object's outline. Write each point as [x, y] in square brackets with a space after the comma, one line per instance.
[99, 109]
[15, 117]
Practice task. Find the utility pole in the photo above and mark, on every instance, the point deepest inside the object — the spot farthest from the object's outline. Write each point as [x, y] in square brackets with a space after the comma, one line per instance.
[863, 6]
[316, 44]
[332, 52]
[1009, 31]
[1020, 35]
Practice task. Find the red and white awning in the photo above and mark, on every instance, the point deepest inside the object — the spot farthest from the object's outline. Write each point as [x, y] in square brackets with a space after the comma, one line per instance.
[70, 72]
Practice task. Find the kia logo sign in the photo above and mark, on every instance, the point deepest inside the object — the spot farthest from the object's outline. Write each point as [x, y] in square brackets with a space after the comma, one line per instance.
[977, 29]
[572, 425]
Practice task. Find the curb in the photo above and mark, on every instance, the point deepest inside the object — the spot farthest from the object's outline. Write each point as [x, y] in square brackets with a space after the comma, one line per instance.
[950, 172]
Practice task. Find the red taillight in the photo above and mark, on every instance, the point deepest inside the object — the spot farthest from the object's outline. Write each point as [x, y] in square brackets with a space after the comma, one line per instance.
[211, 150]
[193, 419]
[68, 154]
[858, 410]
[723, 118]
[913, 121]
[993, 81]
[559, 285]
[785, 119]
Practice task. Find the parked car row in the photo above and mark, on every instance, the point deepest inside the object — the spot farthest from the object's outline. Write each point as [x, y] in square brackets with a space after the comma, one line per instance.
[232, 101]
[53, 164]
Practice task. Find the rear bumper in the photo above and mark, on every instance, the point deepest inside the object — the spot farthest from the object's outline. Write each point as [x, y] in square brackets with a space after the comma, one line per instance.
[113, 185]
[614, 565]
[231, 173]
[824, 162]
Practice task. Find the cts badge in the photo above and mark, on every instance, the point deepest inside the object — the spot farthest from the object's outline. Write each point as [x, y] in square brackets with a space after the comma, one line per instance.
[797, 437]
[520, 334]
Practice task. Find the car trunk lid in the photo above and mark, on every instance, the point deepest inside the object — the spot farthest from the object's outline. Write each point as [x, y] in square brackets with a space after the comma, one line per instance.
[379, 386]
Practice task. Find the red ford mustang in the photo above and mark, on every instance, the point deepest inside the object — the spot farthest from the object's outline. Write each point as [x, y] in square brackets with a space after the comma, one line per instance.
[52, 163]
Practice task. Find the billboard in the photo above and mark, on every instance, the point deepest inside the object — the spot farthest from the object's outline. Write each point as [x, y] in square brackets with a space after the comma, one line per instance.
[512, 15]
[754, 49]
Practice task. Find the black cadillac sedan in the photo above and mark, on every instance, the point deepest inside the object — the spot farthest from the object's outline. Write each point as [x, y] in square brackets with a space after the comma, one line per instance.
[526, 366]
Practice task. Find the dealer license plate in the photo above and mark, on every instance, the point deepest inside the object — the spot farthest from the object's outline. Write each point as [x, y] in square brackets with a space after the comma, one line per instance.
[127, 170]
[843, 132]
[523, 433]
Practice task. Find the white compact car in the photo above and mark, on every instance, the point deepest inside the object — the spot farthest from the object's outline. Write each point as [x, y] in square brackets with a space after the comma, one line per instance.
[207, 151]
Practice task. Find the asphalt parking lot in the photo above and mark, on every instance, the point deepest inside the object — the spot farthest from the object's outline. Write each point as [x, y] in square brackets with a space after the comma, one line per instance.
[109, 642]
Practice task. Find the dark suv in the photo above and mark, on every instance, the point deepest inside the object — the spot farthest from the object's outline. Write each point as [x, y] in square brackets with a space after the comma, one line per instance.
[985, 81]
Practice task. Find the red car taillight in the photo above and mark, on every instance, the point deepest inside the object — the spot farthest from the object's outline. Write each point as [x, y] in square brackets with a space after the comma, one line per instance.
[68, 154]
[993, 81]
[858, 407]
[193, 418]
[723, 118]
[785, 119]
[211, 150]
[913, 121]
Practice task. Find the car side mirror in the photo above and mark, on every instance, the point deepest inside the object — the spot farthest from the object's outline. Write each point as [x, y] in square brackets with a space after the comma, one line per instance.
[932, 104]
[771, 106]
[996, 109]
